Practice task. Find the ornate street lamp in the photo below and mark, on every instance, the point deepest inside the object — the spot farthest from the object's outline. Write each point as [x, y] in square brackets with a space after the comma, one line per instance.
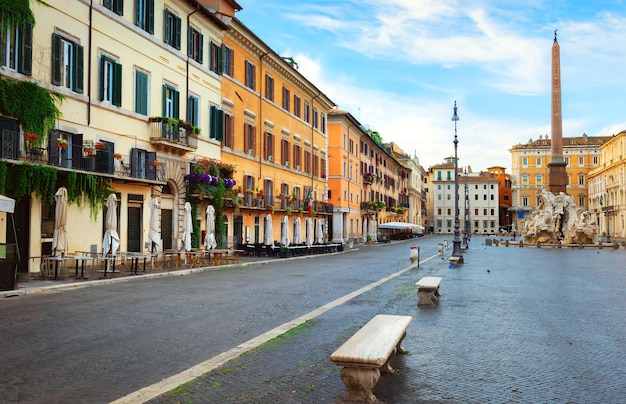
[457, 255]
[466, 230]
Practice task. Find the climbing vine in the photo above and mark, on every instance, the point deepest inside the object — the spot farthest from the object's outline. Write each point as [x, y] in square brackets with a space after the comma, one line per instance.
[16, 13]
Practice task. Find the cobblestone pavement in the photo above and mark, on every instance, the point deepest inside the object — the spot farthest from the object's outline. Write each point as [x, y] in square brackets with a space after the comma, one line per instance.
[513, 325]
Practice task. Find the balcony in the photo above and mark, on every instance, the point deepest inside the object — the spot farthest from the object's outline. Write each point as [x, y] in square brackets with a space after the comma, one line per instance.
[172, 138]
[84, 158]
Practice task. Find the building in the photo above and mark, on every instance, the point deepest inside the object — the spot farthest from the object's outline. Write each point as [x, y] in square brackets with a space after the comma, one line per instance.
[136, 111]
[417, 196]
[505, 196]
[482, 196]
[529, 164]
[275, 134]
[607, 189]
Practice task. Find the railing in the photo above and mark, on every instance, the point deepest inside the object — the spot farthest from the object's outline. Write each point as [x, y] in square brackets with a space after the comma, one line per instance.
[173, 134]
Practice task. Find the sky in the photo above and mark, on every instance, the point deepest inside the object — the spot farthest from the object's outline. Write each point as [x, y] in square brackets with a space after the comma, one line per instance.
[398, 66]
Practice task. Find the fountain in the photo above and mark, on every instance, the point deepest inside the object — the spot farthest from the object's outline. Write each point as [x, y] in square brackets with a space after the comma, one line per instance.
[558, 219]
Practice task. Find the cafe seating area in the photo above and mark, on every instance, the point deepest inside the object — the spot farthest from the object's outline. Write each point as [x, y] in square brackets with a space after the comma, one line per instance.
[273, 250]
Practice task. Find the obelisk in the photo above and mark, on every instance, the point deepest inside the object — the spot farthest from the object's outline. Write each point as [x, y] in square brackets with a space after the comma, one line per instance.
[557, 175]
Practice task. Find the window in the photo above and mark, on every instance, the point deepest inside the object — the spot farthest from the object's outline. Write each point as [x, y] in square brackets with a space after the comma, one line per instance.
[285, 151]
[476, 197]
[475, 211]
[316, 166]
[485, 212]
[538, 161]
[286, 98]
[307, 161]
[539, 179]
[581, 160]
[215, 64]
[250, 75]
[307, 112]
[16, 49]
[172, 29]
[170, 101]
[484, 197]
[144, 15]
[297, 106]
[438, 175]
[581, 179]
[296, 156]
[229, 59]
[110, 81]
[524, 161]
[268, 146]
[229, 140]
[195, 44]
[141, 164]
[439, 211]
[216, 123]
[117, 6]
[566, 160]
[492, 212]
[449, 211]
[249, 140]
[595, 160]
[67, 63]
[448, 196]
[315, 118]
[582, 201]
[269, 87]
[141, 92]
[438, 197]
[492, 197]
[193, 106]
[524, 201]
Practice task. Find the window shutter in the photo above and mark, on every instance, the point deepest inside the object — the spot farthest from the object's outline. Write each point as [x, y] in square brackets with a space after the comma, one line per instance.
[53, 151]
[211, 56]
[118, 7]
[168, 29]
[78, 68]
[177, 33]
[102, 76]
[25, 56]
[190, 42]
[164, 99]
[176, 104]
[141, 94]
[212, 120]
[117, 84]
[219, 135]
[220, 62]
[201, 47]
[133, 162]
[149, 23]
[56, 59]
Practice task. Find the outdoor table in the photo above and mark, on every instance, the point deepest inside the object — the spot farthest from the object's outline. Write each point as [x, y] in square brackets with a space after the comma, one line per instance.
[106, 264]
[134, 261]
[82, 259]
[56, 260]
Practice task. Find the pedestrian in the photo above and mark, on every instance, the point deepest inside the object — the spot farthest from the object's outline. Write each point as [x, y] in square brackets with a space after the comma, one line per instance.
[513, 236]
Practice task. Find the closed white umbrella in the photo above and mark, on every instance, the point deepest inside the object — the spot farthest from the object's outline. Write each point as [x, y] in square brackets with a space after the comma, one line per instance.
[154, 235]
[187, 227]
[285, 231]
[319, 235]
[309, 232]
[209, 240]
[111, 241]
[59, 237]
[364, 233]
[297, 231]
[372, 229]
[269, 231]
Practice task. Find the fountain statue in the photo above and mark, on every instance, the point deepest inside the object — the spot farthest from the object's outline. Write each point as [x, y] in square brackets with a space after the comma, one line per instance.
[557, 219]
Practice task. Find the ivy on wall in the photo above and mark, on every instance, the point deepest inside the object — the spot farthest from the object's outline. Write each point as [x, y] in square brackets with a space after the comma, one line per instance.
[16, 13]
[20, 180]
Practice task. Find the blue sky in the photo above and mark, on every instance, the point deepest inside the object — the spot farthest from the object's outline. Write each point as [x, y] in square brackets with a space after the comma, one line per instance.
[399, 65]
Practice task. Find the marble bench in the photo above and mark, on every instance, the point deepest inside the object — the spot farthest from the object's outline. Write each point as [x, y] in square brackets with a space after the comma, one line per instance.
[428, 290]
[368, 353]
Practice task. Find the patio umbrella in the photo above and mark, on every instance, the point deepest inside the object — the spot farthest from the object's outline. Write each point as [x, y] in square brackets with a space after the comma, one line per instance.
[297, 231]
[59, 237]
[319, 234]
[269, 231]
[364, 233]
[187, 227]
[285, 231]
[309, 232]
[153, 234]
[209, 240]
[372, 229]
[111, 242]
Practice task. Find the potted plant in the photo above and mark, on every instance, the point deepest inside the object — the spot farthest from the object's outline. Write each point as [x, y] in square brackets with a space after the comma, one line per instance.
[117, 156]
[100, 145]
[284, 252]
[369, 239]
[288, 210]
[61, 143]
[89, 151]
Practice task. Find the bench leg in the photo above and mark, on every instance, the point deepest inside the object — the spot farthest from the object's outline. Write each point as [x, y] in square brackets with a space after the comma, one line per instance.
[426, 297]
[360, 382]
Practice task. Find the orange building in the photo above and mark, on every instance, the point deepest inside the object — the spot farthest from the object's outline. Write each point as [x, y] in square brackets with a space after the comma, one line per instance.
[505, 195]
[274, 133]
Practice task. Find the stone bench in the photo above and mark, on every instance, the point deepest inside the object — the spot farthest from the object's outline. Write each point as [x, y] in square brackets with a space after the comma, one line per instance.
[428, 290]
[368, 352]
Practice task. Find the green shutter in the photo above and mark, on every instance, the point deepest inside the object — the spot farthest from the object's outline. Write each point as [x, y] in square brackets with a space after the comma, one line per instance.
[102, 76]
[190, 42]
[168, 29]
[211, 56]
[141, 93]
[78, 68]
[177, 32]
[176, 104]
[56, 59]
[117, 84]
[220, 125]
[164, 98]
[212, 121]
[220, 61]
[118, 7]
[149, 23]
[25, 56]
[201, 56]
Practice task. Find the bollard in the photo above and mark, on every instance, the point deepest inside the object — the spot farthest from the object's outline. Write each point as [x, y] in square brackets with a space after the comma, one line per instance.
[506, 243]
[521, 243]
[415, 255]
[538, 244]
[615, 245]
[440, 248]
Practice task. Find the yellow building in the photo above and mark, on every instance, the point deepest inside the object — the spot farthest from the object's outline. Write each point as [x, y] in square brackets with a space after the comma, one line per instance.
[275, 135]
[607, 189]
[529, 164]
[138, 79]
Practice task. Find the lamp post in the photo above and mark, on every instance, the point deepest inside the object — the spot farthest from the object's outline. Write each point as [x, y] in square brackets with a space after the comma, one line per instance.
[466, 231]
[457, 255]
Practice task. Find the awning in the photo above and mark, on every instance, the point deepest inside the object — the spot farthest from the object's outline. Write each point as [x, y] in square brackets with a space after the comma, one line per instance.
[401, 226]
[7, 204]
